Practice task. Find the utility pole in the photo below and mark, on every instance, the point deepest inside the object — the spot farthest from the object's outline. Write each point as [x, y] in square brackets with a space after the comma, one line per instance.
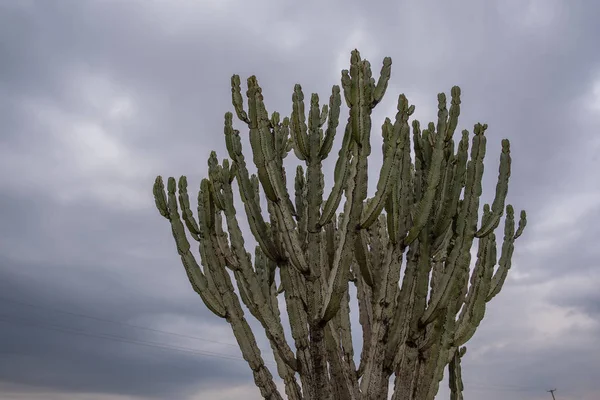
[552, 393]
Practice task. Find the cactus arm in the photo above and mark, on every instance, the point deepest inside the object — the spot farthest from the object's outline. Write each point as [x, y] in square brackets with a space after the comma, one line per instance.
[522, 224]
[261, 140]
[454, 112]
[235, 314]
[314, 181]
[504, 263]
[341, 176]
[400, 202]
[257, 296]
[256, 221]
[392, 210]
[292, 389]
[245, 294]
[301, 205]
[406, 373]
[383, 312]
[323, 115]
[455, 165]
[160, 198]
[343, 255]
[320, 346]
[431, 362]
[336, 377]
[340, 353]
[501, 192]
[299, 128]
[365, 317]
[474, 307]
[455, 375]
[460, 255]
[427, 140]
[186, 212]
[346, 83]
[347, 387]
[220, 178]
[412, 299]
[344, 252]
[450, 206]
[356, 191]
[197, 279]
[404, 308]
[434, 371]
[417, 145]
[209, 255]
[245, 337]
[292, 242]
[271, 176]
[391, 162]
[242, 258]
[281, 135]
[382, 83]
[264, 273]
[237, 99]
[442, 125]
[378, 242]
[330, 246]
[296, 309]
[335, 102]
[266, 269]
[438, 258]
[425, 204]
[343, 327]
[419, 294]
[361, 252]
[444, 191]
[357, 95]
[255, 293]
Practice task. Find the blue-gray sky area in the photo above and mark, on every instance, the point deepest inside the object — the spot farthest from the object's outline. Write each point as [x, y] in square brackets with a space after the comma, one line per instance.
[99, 97]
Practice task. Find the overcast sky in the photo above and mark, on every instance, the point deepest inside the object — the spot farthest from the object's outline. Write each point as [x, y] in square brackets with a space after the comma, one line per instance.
[99, 97]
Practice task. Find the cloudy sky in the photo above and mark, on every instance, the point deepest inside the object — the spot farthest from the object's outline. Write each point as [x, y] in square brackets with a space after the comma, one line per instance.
[99, 97]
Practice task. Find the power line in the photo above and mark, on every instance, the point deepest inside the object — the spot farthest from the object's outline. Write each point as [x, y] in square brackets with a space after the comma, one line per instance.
[508, 386]
[124, 339]
[116, 338]
[118, 322]
[499, 388]
[58, 328]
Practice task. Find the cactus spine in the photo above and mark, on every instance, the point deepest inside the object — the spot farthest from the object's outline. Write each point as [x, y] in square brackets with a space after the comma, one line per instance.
[424, 215]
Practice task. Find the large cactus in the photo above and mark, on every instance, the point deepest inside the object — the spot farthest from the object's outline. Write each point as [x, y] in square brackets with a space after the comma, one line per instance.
[424, 215]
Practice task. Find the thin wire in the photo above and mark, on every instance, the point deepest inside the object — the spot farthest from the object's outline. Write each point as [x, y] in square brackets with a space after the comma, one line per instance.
[124, 339]
[113, 337]
[500, 388]
[117, 322]
[58, 328]
[467, 383]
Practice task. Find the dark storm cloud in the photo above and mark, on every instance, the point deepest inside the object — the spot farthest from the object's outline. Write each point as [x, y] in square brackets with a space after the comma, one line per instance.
[57, 330]
[79, 231]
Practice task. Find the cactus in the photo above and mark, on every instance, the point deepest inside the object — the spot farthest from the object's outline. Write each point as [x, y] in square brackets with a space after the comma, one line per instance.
[423, 215]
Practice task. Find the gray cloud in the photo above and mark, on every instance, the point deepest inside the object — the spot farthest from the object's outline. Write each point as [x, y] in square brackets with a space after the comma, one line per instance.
[99, 97]
[43, 346]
